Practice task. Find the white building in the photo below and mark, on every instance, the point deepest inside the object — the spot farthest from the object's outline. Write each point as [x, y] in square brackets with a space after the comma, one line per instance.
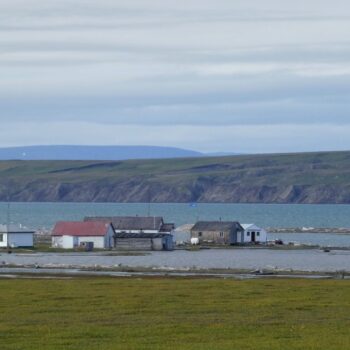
[16, 236]
[253, 234]
[72, 234]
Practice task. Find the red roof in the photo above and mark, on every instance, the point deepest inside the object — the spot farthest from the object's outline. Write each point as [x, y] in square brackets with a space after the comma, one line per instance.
[80, 228]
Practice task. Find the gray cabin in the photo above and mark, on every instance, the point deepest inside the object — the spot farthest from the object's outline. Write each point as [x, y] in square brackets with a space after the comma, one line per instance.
[219, 232]
[143, 241]
[139, 232]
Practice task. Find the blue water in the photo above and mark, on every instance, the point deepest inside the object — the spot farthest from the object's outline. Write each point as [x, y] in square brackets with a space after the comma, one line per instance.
[44, 216]
[38, 215]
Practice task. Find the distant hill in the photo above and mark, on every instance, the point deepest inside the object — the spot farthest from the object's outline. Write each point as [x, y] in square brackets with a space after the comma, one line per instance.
[274, 178]
[94, 152]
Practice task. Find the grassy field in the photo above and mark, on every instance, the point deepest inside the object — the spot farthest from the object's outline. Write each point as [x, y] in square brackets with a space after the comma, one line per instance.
[171, 313]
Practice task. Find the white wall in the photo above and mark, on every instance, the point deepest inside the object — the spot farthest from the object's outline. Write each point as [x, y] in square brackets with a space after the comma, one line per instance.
[69, 242]
[262, 237]
[3, 242]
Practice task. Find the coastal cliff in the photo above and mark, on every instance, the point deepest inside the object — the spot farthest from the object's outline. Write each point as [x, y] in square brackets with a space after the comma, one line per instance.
[281, 178]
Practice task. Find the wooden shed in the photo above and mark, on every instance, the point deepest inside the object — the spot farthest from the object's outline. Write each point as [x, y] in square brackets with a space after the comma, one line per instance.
[143, 241]
[218, 232]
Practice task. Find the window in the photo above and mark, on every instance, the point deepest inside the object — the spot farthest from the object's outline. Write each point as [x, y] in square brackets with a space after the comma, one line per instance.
[1, 237]
[199, 234]
[221, 234]
[248, 234]
[258, 233]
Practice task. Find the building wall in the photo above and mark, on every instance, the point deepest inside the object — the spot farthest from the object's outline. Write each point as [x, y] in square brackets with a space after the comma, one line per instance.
[222, 237]
[69, 242]
[17, 240]
[56, 241]
[3, 241]
[262, 237]
[98, 241]
[134, 244]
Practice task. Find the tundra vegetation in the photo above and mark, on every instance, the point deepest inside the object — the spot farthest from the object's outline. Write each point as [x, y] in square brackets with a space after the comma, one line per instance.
[174, 313]
[280, 178]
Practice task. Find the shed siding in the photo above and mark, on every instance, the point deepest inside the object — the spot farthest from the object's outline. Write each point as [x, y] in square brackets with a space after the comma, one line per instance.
[134, 244]
[222, 237]
[20, 239]
[17, 240]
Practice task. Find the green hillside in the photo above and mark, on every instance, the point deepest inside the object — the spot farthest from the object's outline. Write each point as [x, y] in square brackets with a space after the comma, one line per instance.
[279, 178]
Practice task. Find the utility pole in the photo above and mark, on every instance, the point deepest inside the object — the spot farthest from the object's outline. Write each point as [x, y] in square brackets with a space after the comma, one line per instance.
[8, 219]
[8, 226]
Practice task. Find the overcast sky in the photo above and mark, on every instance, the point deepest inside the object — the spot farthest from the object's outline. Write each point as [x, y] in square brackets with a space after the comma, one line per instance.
[224, 75]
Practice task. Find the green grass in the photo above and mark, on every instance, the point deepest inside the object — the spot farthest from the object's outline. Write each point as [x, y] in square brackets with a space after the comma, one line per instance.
[170, 313]
[188, 179]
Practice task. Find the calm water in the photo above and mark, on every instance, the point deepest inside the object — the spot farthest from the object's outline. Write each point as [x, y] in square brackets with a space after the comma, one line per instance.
[301, 260]
[266, 215]
[44, 215]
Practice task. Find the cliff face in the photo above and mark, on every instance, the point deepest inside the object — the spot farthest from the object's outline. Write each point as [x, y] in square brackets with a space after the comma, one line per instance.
[294, 178]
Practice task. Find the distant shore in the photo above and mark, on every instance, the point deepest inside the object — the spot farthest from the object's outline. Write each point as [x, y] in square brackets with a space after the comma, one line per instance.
[329, 230]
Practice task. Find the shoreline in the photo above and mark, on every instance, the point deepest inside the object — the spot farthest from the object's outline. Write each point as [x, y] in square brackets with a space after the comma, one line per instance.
[298, 229]
[301, 230]
[30, 271]
[203, 261]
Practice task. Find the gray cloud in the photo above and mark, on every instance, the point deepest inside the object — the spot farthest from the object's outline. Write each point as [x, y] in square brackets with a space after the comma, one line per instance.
[173, 65]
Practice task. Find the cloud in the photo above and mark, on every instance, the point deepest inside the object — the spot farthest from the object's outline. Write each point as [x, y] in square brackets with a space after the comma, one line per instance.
[143, 65]
[239, 138]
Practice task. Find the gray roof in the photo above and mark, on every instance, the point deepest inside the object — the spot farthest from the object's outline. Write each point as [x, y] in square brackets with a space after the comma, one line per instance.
[13, 228]
[141, 235]
[216, 226]
[131, 222]
[167, 227]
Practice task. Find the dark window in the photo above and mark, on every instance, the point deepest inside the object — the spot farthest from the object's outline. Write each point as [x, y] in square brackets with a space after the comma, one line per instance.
[1, 237]
[258, 233]
[199, 234]
[248, 234]
[221, 234]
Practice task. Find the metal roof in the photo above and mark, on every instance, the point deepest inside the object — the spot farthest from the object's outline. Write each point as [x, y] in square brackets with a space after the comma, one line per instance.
[131, 222]
[140, 235]
[216, 226]
[80, 228]
[167, 227]
[13, 228]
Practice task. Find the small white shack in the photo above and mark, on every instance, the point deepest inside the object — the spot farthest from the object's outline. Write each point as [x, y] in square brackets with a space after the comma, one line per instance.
[16, 236]
[253, 234]
[73, 234]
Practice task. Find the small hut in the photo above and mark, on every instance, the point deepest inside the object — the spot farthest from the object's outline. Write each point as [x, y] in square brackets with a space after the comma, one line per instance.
[219, 232]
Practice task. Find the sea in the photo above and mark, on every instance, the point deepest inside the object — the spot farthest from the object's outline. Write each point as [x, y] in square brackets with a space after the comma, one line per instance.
[42, 216]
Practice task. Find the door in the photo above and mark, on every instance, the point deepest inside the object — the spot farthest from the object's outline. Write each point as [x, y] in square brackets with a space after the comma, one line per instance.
[253, 236]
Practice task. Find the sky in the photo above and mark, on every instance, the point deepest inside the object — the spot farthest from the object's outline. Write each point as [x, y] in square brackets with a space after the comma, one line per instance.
[245, 76]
